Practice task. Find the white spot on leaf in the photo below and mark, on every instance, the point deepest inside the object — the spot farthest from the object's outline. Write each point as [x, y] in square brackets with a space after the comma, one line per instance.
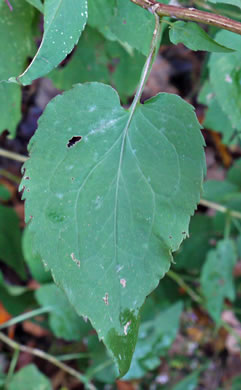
[123, 282]
[126, 327]
[76, 261]
[228, 79]
[106, 298]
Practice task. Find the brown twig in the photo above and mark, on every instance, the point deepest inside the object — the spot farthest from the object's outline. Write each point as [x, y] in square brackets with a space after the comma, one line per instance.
[190, 14]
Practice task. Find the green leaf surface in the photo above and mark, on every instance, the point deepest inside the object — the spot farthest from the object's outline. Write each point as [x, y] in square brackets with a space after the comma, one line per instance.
[96, 59]
[217, 278]
[155, 338]
[28, 377]
[37, 4]
[225, 77]
[195, 38]
[64, 22]
[237, 3]
[33, 259]
[64, 321]
[114, 204]
[10, 241]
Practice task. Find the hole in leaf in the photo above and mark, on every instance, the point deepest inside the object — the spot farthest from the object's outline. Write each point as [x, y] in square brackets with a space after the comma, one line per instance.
[73, 141]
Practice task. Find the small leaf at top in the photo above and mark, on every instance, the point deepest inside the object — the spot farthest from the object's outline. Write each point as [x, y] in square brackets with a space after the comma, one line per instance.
[195, 38]
[113, 205]
[64, 22]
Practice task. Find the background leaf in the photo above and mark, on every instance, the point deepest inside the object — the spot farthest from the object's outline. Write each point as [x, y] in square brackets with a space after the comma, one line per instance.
[33, 259]
[217, 278]
[237, 3]
[64, 321]
[10, 95]
[16, 299]
[123, 21]
[225, 76]
[155, 337]
[215, 118]
[190, 382]
[95, 226]
[192, 253]
[28, 377]
[10, 241]
[96, 59]
[4, 193]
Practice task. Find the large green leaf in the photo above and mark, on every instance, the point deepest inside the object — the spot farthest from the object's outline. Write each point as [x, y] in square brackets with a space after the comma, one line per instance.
[64, 321]
[29, 378]
[64, 22]
[217, 279]
[16, 45]
[225, 77]
[111, 207]
[194, 37]
[10, 240]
